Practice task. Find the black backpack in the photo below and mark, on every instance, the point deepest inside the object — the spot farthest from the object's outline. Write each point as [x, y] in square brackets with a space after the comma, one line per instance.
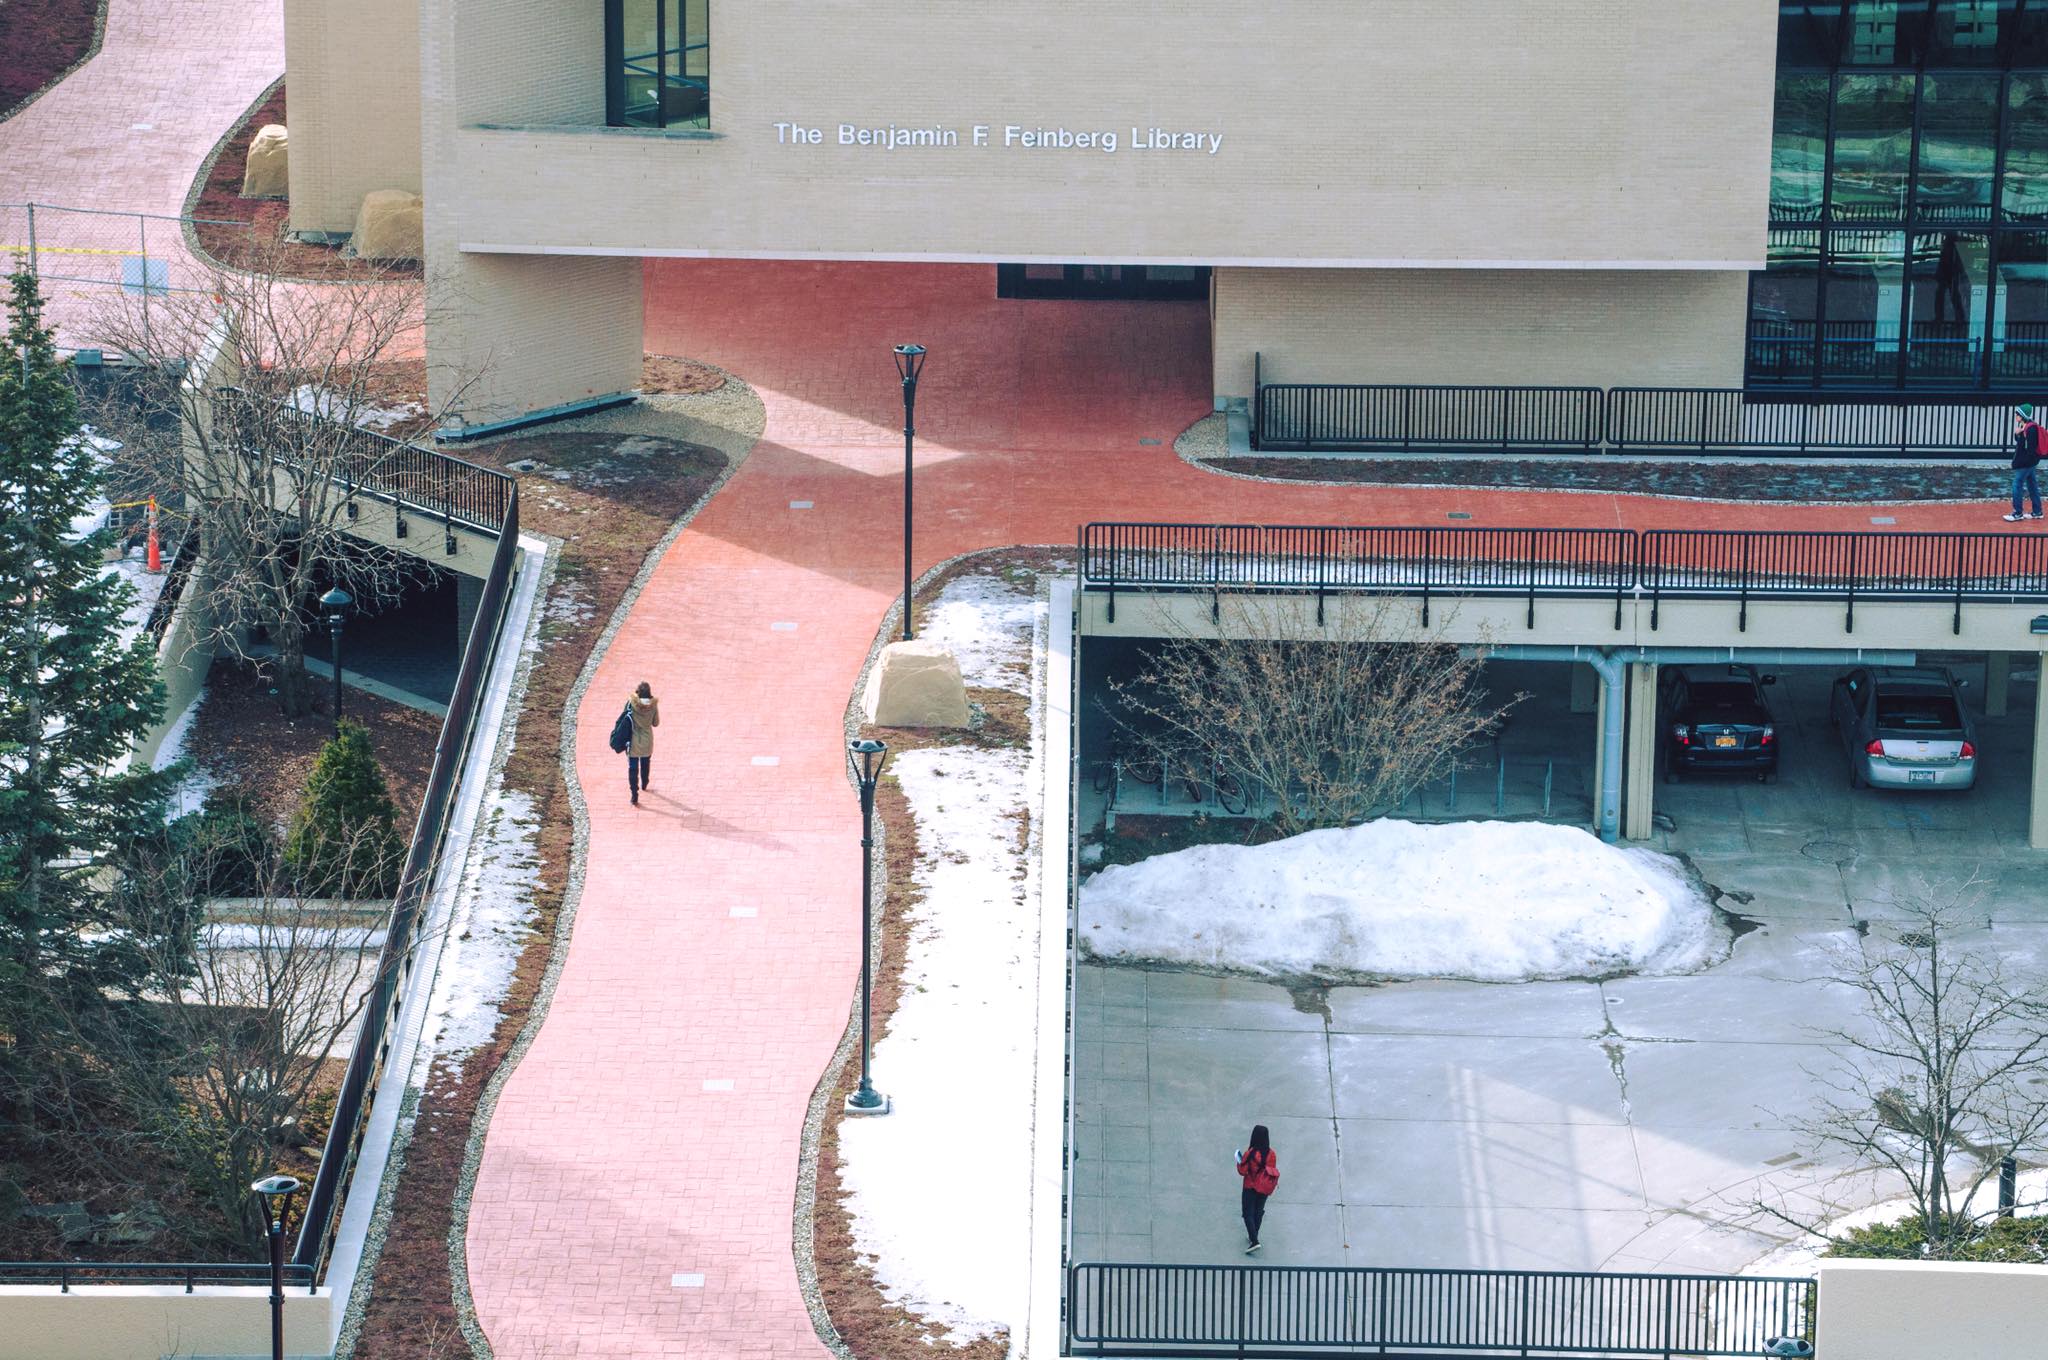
[622, 730]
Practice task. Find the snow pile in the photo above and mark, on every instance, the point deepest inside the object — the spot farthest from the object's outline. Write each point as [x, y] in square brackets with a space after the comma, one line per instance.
[1491, 901]
[957, 1061]
[1803, 1257]
[985, 622]
[491, 927]
[331, 405]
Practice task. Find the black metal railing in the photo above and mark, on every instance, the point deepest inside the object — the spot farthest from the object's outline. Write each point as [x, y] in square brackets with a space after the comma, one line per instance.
[190, 1274]
[1660, 564]
[1284, 1312]
[415, 880]
[176, 574]
[1389, 418]
[434, 485]
[1728, 420]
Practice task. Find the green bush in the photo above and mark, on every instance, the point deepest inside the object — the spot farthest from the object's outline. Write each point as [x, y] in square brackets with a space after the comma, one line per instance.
[2021, 1241]
[344, 840]
[227, 849]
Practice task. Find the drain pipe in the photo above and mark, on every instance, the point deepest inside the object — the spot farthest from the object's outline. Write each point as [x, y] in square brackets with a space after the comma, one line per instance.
[1613, 673]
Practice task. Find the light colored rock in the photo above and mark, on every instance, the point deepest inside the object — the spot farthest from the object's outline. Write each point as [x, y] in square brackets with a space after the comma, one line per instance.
[916, 684]
[388, 226]
[265, 174]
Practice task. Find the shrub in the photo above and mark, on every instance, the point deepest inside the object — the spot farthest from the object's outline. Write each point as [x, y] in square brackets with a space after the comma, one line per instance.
[227, 849]
[344, 840]
[2011, 1240]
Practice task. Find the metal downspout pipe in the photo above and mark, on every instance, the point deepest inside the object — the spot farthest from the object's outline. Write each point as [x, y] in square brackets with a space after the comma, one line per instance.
[1613, 673]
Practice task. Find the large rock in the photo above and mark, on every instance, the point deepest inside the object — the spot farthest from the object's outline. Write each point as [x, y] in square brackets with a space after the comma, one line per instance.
[916, 684]
[388, 226]
[266, 173]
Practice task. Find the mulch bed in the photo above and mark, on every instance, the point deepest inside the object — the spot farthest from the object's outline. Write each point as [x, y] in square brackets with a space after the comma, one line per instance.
[40, 41]
[242, 739]
[1733, 480]
[249, 233]
[611, 501]
[872, 1327]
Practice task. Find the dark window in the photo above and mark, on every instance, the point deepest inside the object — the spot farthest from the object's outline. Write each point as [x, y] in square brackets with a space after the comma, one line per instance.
[1149, 282]
[658, 63]
[1917, 713]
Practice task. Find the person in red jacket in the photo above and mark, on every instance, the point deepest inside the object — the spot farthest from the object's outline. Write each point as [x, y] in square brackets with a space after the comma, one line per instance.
[1259, 1168]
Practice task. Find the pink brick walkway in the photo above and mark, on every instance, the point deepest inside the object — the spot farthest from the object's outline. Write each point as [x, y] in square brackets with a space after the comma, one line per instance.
[651, 1135]
[127, 132]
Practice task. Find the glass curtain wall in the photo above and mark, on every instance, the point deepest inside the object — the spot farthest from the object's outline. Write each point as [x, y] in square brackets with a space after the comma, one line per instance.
[1909, 197]
[658, 63]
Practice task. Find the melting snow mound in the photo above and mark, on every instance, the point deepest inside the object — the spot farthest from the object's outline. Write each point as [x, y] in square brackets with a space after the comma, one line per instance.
[1491, 901]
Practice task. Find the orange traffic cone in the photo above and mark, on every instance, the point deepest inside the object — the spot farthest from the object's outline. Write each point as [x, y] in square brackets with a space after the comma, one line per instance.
[154, 553]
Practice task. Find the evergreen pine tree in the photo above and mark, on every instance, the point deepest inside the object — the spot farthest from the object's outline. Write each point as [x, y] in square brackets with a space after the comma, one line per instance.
[344, 839]
[74, 698]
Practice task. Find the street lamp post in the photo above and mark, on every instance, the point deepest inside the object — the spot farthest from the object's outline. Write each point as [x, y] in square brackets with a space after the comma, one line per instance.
[276, 1193]
[336, 603]
[909, 364]
[865, 759]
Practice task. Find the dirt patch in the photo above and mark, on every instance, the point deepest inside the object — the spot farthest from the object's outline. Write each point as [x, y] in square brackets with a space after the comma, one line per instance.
[249, 233]
[244, 742]
[872, 1327]
[665, 373]
[1733, 480]
[41, 42]
[609, 498]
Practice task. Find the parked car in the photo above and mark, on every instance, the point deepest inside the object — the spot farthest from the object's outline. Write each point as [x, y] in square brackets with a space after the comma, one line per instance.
[1905, 728]
[1715, 718]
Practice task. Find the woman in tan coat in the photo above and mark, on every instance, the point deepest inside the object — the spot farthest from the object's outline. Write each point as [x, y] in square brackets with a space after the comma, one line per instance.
[640, 755]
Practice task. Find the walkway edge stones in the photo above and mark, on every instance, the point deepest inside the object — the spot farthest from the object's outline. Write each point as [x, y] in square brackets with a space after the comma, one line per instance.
[735, 446]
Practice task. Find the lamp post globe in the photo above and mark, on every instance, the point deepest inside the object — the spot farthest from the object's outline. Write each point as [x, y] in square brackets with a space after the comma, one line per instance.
[864, 758]
[336, 603]
[276, 1193]
[909, 364]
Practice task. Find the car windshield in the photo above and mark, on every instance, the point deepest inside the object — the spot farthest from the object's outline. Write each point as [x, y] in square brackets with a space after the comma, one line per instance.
[1918, 713]
[1721, 693]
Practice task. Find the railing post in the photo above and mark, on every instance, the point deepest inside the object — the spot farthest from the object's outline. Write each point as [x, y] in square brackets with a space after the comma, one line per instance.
[1667, 1320]
[33, 267]
[1742, 616]
[1706, 395]
[1962, 541]
[1530, 557]
[1849, 624]
[1322, 570]
[1428, 543]
[1243, 1309]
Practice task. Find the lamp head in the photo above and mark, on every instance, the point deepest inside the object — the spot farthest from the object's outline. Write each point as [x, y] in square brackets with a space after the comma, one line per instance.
[336, 600]
[276, 1189]
[909, 361]
[865, 754]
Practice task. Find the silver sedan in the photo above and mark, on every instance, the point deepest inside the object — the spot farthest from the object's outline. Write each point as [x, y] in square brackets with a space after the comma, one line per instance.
[1905, 728]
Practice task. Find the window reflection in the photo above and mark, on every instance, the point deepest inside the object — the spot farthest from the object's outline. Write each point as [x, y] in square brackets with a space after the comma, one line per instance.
[1799, 148]
[1865, 293]
[1958, 148]
[1873, 148]
[2025, 192]
[1784, 305]
[2019, 330]
[1948, 276]
[660, 63]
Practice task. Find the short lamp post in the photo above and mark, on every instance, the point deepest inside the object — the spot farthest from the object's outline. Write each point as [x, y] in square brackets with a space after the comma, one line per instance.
[864, 758]
[336, 602]
[909, 364]
[276, 1193]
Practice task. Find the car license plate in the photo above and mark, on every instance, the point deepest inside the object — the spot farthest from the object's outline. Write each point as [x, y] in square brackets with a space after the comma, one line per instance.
[1919, 776]
[1724, 741]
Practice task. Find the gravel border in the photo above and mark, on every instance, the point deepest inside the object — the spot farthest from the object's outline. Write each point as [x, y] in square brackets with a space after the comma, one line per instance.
[730, 419]
[1204, 447]
[423, 1062]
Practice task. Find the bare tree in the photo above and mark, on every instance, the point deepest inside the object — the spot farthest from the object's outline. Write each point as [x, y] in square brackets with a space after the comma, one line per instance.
[1950, 1074]
[1336, 730]
[274, 466]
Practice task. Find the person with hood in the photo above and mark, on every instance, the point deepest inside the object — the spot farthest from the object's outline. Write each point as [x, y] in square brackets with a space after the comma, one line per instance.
[1259, 1169]
[645, 712]
[2026, 456]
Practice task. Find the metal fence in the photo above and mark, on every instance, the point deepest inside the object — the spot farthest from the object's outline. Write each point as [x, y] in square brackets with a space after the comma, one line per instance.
[1728, 420]
[1738, 565]
[1398, 419]
[188, 1274]
[415, 880]
[1282, 1312]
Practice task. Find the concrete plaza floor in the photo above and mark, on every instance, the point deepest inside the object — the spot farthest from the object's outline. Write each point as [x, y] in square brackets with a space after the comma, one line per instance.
[1629, 1124]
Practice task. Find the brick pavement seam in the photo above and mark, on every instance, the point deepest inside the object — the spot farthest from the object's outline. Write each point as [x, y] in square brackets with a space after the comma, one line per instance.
[579, 845]
[99, 36]
[358, 1303]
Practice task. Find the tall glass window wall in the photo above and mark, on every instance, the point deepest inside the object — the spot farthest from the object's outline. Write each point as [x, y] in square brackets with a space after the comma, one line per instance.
[1909, 197]
[657, 63]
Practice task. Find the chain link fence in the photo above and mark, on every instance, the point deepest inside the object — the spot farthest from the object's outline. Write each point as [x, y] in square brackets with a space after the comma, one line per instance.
[82, 257]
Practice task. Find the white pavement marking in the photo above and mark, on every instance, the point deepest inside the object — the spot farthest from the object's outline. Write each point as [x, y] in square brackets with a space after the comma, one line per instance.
[686, 1280]
[767, 760]
[799, 505]
[718, 1083]
[782, 627]
[738, 912]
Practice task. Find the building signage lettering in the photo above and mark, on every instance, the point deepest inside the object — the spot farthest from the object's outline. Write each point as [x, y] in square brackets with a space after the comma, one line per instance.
[1005, 137]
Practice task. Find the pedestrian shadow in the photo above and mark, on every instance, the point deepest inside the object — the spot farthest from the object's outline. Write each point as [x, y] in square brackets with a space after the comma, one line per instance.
[703, 823]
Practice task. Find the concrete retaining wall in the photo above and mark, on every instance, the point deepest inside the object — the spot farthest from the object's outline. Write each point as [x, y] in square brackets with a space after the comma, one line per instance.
[1911, 1310]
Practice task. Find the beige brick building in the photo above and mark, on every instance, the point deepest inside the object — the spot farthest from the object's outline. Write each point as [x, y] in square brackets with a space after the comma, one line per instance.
[1405, 191]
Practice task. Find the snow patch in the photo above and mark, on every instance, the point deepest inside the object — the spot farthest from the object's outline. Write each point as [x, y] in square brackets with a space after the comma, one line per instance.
[497, 898]
[1803, 1257]
[985, 622]
[957, 1061]
[1490, 901]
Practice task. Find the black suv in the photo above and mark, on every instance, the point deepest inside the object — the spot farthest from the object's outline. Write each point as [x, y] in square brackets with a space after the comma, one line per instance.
[1715, 718]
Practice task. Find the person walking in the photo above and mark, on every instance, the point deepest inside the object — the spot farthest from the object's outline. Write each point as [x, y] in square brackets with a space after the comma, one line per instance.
[2026, 456]
[1259, 1169]
[646, 715]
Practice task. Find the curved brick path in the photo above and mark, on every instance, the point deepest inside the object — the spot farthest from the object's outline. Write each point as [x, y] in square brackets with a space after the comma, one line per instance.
[652, 1130]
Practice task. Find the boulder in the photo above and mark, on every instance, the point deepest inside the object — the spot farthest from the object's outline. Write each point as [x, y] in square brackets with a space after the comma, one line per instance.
[388, 226]
[265, 174]
[916, 684]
